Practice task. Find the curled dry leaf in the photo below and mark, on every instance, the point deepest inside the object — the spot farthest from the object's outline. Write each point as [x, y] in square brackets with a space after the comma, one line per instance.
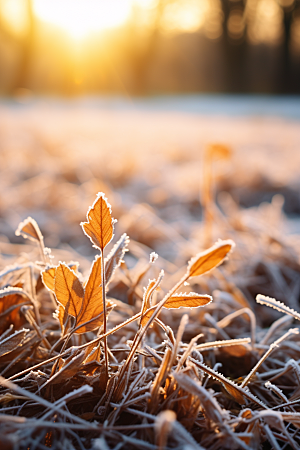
[209, 259]
[11, 300]
[191, 300]
[61, 314]
[12, 342]
[29, 229]
[70, 368]
[92, 353]
[115, 257]
[99, 227]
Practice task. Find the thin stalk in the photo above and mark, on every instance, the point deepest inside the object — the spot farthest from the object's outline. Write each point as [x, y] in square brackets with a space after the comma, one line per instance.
[268, 352]
[104, 312]
[143, 331]
[33, 323]
[60, 355]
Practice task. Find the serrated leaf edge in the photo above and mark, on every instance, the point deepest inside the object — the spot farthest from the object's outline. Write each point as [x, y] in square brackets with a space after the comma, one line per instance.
[275, 304]
[219, 377]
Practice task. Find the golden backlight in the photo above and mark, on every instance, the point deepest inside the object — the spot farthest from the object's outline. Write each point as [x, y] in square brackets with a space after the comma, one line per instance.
[81, 17]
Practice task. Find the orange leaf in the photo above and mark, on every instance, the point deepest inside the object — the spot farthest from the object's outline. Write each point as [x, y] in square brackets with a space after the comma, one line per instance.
[92, 304]
[68, 289]
[191, 300]
[236, 350]
[48, 276]
[100, 225]
[95, 321]
[29, 229]
[93, 353]
[209, 259]
[60, 314]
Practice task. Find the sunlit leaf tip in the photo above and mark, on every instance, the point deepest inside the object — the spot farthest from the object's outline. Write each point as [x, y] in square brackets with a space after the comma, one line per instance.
[99, 227]
[190, 300]
[48, 276]
[209, 259]
[29, 229]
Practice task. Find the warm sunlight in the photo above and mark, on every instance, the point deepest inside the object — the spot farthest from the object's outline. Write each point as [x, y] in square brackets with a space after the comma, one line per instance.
[82, 17]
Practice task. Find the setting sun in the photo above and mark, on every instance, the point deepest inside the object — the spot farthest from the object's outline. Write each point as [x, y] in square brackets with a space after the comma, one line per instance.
[82, 17]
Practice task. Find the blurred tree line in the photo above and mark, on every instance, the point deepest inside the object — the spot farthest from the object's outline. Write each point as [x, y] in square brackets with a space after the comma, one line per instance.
[240, 46]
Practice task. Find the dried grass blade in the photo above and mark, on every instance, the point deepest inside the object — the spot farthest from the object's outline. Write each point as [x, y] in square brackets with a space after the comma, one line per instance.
[268, 352]
[163, 426]
[220, 344]
[18, 390]
[152, 285]
[160, 376]
[275, 304]
[29, 229]
[181, 328]
[115, 257]
[210, 405]
[235, 390]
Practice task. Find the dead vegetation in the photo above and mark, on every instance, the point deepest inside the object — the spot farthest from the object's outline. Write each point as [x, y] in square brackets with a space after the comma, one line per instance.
[82, 369]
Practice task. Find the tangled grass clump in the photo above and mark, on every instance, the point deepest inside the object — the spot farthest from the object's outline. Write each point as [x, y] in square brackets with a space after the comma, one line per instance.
[83, 369]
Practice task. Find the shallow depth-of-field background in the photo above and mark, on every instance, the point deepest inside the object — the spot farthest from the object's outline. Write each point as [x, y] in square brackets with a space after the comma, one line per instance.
[149, 162]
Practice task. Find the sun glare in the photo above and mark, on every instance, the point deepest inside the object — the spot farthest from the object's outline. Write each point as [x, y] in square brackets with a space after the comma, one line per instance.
[81, 17]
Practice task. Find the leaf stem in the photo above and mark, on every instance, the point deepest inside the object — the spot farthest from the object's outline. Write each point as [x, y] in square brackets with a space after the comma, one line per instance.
[104, 312]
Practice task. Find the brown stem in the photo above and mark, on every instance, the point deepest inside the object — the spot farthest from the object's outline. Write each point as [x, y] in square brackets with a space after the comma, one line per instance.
[104, 312]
